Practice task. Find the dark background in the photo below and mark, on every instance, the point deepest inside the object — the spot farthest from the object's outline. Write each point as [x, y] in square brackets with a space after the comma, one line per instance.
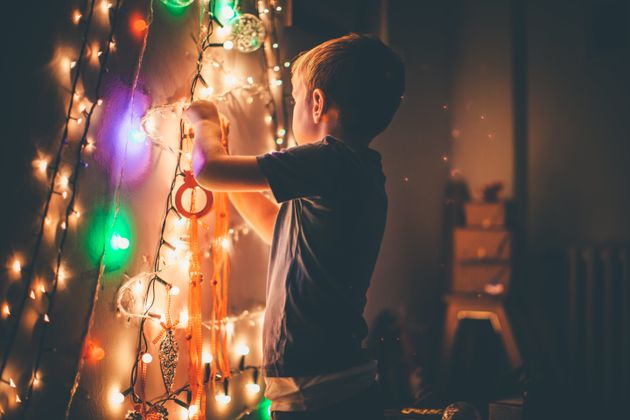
[551, 79]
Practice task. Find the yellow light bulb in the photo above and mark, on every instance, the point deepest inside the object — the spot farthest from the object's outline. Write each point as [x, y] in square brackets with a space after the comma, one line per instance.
[242, 349]
[16, 266]
[206, 92]
[42, 165]
[223, 399]
[253, 388]
[117, 398]
[76, 17]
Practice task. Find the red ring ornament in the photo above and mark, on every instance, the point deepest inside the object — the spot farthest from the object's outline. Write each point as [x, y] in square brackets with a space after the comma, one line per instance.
[191, 183]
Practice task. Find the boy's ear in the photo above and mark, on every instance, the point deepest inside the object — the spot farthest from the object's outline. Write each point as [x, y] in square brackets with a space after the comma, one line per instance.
[319, 104]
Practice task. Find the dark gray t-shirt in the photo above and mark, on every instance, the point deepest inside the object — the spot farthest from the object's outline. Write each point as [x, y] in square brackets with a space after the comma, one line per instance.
[325, 244]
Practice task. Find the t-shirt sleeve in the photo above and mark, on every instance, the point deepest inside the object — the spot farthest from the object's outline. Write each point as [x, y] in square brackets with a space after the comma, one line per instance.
[300, 171]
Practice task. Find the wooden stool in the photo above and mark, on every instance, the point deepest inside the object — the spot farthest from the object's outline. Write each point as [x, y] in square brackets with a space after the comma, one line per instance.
[462, 306]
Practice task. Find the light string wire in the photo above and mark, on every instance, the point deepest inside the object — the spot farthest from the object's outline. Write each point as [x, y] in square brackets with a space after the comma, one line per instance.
[271, 105]
[101, 262]
[69, 209]
[284, 95]
[55, 170]
[142, 345]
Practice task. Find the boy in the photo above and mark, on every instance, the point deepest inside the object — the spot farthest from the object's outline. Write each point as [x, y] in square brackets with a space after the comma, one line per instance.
[325, 235]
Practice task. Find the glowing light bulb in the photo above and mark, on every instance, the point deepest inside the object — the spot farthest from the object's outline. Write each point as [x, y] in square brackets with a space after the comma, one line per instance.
[230, 80]
[6, 310]
[250, 80]
[193, 410]
[279, 140]
[225, 243]
[174, 291]
[63, 225]
[253, 388]
[46, 318]
[276, 68]
[287, 64]
[42, 288]
[242, 349]
[223, 399]
[64, 195]
[136, 135]
[105, 6]
[64, 181]
[277, 82]
[282, 132]
[73, 64]
[16, 266]
[99, 102]
[268, 119]
[117, 398]
[229, 328]
[206, 92]
[275, 45]
[139, 25]
[119, 242]
[227, 12]
[279, 9]
[224, 30]
[41, 165]
[147, 358]
[228, 45]
[32, 294]
[206, 358]
[183, 317]
[76, 17]
[11, 383]
[17, 399]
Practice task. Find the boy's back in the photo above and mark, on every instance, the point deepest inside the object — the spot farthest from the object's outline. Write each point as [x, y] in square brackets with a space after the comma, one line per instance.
[325, 243]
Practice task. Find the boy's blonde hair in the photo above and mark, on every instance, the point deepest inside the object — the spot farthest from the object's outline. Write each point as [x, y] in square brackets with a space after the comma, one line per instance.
[360, 75]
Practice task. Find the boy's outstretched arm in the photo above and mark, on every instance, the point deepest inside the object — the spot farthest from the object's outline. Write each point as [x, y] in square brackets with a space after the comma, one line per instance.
[221, 172]
[239, 175]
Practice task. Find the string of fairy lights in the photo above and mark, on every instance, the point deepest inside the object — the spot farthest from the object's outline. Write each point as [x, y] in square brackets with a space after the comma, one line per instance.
[64, 181]
[65, 184]
[143, 357]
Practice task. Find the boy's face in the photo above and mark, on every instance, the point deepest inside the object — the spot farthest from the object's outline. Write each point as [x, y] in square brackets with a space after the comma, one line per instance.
[305, 129]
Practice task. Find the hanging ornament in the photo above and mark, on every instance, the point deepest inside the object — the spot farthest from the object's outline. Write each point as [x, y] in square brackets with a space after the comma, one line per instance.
[169, 349]
[248, 33]
[190, 183]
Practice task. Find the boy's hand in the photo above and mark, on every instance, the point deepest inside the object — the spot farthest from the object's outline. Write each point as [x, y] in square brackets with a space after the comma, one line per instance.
[202, 111]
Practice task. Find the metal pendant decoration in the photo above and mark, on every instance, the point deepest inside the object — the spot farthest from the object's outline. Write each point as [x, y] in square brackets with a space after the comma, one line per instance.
[248, 32]
[168, 358]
